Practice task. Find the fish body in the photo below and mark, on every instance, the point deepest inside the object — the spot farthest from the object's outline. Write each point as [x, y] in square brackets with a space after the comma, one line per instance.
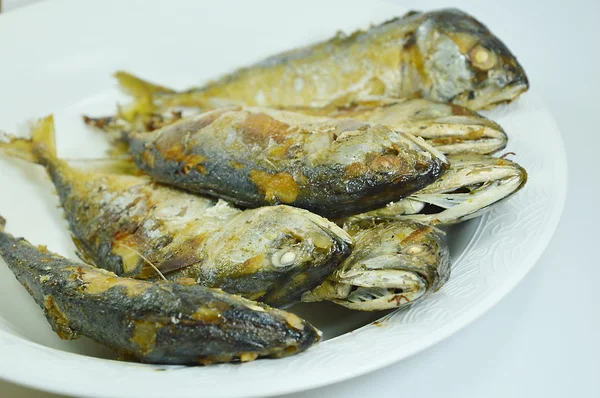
[394, 263]
[259, 156]
[449, 128]
[134, 227]
[471, 186]
[445, 55]
[163, 322]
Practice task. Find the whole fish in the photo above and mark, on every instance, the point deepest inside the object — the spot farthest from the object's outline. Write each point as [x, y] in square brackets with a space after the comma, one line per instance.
[469, 188]
[394, 263]
[133, 227]
[445, 55]
[260, 156]
[449, 128]
[164, 322]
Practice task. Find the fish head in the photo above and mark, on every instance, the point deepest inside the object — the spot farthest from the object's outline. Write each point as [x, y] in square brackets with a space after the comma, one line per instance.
[472, 186]
[466, 64]
[280, 252]
[393, 263]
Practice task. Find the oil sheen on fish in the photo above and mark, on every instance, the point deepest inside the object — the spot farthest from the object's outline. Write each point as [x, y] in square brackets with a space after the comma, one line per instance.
[449, 128]
[134, 227]
[162, 322]
[394, 263]
[471, 186]
[445, 55]
[258, 156]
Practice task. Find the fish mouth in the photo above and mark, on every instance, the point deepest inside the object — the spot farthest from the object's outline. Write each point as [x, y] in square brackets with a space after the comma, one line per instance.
[383, 289]
[491, 142]
[490, 95]
[521, 80]
[499, 93]
[458, 134]
[481, 190]
[308, 275]
[510, 92]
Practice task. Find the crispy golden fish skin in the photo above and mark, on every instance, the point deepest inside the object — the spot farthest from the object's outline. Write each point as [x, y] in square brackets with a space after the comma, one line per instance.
[162, 323]
[394, 263]
[472, 186]
[259, 156]
[445, 55]
[451, 129]
[131, 226]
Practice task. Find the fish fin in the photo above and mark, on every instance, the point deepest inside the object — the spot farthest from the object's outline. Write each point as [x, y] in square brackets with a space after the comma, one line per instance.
[43, 138]
[37, 149]
[2, 223]
[138, 87]
[113, 125]
[123, 166]
[81, 251]
[142, 107]
[143, 93]
[17, 147]
[118, 149]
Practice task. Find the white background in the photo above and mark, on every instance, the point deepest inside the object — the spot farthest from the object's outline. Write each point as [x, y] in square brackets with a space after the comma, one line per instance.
[542, 340]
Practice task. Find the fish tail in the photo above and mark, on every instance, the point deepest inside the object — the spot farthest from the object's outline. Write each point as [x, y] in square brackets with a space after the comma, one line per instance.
[16, 147]
[143, 92]
[37, 149]
[138, 87]
[150, 97]
[43, 139]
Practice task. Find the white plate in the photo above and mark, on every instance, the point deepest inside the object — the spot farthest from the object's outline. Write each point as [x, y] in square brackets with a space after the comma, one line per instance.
[58, 56]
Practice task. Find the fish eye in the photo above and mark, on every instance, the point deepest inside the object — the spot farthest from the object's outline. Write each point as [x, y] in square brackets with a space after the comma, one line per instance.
[414, 250]
[288, 258]
[482, 58]
[284, 258]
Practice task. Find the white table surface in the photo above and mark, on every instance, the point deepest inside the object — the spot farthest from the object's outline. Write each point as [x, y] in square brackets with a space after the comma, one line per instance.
[542, 340]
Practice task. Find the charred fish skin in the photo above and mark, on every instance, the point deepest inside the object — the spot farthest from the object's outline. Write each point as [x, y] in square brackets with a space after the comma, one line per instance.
[449, 128]
[472, 186]
[133, 227]
[258, 156]
[445, 55]
[162, 323]
[395, 263]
